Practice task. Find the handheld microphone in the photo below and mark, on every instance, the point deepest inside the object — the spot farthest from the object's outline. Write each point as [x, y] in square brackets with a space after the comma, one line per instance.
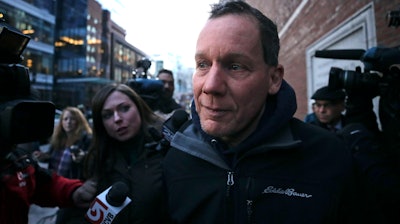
[108, 204]
[172, 125]
[160, 143]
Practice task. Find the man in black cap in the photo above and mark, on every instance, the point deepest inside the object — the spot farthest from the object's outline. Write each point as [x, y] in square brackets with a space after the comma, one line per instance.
[329, 107]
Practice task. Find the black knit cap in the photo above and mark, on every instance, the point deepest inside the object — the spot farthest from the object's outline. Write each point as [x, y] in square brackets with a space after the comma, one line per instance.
[326, 93]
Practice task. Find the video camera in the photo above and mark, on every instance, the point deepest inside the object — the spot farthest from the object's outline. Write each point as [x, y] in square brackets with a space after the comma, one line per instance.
[381, 77]
[22, 117]
[381, 74]
[150, 90]
[381, 67]
[142, 66]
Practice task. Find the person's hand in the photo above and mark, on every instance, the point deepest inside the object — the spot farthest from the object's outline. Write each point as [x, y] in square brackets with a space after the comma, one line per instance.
[85, 194]
[78, 156]
[40, 156]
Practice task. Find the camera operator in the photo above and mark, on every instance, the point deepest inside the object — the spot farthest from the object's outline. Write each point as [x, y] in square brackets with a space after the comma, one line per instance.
[22, 120]
[167, 103]
[375, 151]
[378, 178]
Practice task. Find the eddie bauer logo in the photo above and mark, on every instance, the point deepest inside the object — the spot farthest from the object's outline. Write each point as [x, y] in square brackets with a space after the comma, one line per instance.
[289, 192]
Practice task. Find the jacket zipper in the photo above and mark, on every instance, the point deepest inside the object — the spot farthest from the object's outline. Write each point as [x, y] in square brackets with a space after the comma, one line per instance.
[249, 202]
[229, 183]
[249, 211]
[230, 180]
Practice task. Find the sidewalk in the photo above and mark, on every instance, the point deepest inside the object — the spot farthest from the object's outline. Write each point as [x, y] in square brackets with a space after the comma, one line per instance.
[39, 215]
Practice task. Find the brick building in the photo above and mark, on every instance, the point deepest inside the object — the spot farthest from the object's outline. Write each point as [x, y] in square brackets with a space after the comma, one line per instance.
[306, 26]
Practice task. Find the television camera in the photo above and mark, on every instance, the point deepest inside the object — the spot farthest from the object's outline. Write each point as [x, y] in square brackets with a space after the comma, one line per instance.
[23, 118]
[381, 77]
[150, 90]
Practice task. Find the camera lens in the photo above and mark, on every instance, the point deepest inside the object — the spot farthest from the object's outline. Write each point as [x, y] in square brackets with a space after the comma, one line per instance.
[336, 78]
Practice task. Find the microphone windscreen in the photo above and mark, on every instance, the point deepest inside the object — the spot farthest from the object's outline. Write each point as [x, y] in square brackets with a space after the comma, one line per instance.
[117, 194]
[179, 117]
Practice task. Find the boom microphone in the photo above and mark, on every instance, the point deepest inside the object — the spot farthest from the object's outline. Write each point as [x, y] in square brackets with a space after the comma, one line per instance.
[108, 204]
[354, 54]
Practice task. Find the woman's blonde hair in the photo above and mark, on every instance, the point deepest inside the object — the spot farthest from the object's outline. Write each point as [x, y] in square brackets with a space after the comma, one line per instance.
[59, 139]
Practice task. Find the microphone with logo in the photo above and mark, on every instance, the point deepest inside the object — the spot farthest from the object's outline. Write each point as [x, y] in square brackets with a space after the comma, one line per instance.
[108, 204]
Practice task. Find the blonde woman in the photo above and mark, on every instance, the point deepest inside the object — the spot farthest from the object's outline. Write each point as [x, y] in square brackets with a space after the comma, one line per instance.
[68, 146]
[69, 143]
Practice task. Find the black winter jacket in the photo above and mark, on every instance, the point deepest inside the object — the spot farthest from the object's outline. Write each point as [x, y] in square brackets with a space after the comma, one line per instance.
[146, 190]
[285, 172]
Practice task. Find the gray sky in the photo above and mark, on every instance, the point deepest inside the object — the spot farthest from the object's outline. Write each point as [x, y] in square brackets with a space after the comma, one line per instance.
[166, 26]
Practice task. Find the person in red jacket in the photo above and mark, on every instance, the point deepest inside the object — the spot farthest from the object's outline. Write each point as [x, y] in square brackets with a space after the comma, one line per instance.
[24, 182]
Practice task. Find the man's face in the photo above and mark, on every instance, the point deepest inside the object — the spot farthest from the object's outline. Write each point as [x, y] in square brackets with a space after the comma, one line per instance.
[168, 82]
[328, 112]
[232, 81]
